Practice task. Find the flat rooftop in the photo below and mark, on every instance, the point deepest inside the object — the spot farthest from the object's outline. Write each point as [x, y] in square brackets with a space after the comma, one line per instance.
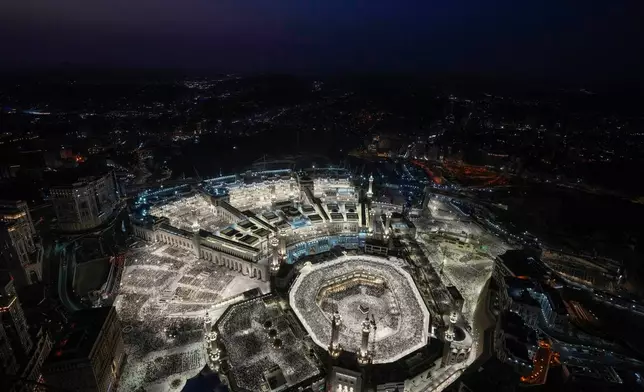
[270, 216]
[307, 209]
[229, 232]
[246, 224]
[249, 240]
[261, 232]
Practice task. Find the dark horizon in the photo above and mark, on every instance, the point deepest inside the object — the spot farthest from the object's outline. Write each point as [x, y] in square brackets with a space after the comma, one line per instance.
[473, 81]
[547, 41]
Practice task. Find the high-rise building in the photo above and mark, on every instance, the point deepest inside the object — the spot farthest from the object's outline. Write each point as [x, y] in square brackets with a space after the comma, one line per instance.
[86, 203]
[21, 254]
[93, 226]
[13, 317]
[89, 355]
[22, 349]
[8, 361]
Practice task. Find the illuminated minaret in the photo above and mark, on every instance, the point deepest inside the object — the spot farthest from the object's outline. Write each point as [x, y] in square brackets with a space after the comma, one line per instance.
[370, 191]
[212, 350]
[282, 245]
[334, 347]
[448, 355]
[453, 318]
[364, 356]
[275, 261]
[387, 223]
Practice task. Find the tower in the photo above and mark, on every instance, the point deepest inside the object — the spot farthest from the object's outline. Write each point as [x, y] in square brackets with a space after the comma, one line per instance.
[207, 323]
[387, 223]
[19, 252]
[13, 318]
[86, 203]
[275, 260]
[372, 221]
[196, 243]
[364, 356]
[21, 353]
[77, 363]
[282, 249]
[370, 191]
[448, 357]
[334, 347]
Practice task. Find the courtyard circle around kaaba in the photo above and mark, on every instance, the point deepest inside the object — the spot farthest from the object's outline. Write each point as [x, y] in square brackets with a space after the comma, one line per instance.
[360, 287]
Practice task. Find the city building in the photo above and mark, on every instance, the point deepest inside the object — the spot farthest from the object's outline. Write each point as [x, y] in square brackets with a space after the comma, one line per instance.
[13, 317]
[93, 227]
[86, 202]
[23, 347]
[21, 254]
[89, 354]
[515, 343]
[540, 305]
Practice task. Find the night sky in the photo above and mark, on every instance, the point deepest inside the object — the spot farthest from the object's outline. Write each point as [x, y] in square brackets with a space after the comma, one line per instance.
[525, 38]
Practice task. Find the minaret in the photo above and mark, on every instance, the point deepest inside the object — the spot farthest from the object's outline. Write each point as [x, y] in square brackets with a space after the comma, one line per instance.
[449, 338]
[364, 354]
[387, 223]
[196, 243]
[282, 245]
[275, 261]
[370, 191]
[212, 350]
[373, 341]
[207, 323]
[334, 347]
[453, 318]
